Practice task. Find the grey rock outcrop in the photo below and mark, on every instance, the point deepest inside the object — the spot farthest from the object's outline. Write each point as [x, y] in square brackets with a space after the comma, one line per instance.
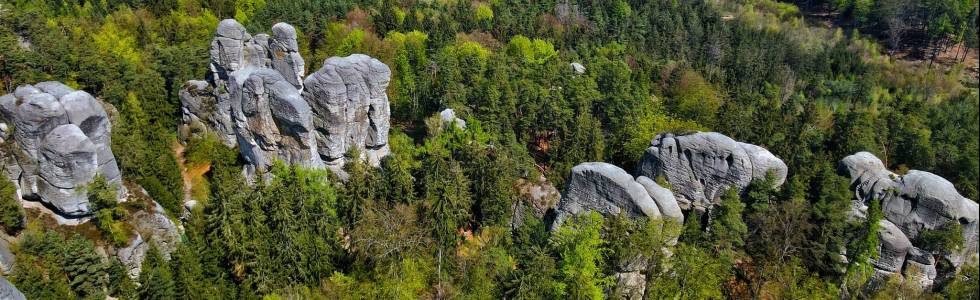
[578, 68]
[605, 189]
[284, 50]
[701, 166]
[255, 97]
[132, 256]
[61, 141]
[609, 190]
[9, 292]
[448, 117]
[277, 123]
[7, 258]
[350, 106]
[630, 285]
[664, 198]
[911, 204]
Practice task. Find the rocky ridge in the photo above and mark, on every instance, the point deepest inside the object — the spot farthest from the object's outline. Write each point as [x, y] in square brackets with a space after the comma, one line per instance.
[255, 97]
[696, 167]
[911, 204]
[701, 166]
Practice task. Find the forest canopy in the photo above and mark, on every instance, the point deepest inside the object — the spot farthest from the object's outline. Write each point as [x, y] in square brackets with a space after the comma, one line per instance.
[446, 214]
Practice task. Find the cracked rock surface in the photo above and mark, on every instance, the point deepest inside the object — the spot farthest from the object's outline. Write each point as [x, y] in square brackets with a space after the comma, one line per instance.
[60, 142]
[256, 97]
[911, 204]
[701, 166]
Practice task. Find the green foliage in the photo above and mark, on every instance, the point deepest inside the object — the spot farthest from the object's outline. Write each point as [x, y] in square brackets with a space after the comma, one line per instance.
[580, 245]
[429, 223]
[948, 237]
[52, 265]
[702, 277]
[531, 51]
[11, 212]
[728, 231]
[964, 285]
[102, 196]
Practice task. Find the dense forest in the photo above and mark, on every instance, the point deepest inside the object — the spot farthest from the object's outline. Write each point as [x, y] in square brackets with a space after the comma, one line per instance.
[438, 218]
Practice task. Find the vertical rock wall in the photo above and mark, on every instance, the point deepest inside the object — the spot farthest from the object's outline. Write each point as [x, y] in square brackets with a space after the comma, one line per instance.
[60, 141]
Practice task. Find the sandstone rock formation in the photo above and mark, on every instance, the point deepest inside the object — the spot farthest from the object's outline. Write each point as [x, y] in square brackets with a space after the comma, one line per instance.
[255, 97]
[9, 292]
[609, 190]
[701, 166]
[132, 256]
[911, 204]
[448, 117]
[606, 189]
[350, 108]
[60, 142]
[158, 230]
[7, 258]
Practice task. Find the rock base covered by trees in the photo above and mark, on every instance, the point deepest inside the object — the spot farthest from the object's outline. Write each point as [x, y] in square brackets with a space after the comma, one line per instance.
[926, 229]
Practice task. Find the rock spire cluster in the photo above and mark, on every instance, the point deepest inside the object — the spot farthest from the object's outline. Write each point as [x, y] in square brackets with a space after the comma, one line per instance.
[255, 97]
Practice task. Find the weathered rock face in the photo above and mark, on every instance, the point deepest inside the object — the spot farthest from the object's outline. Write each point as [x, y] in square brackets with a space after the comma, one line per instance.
[606, 189]
[701, 166]
[256, 98]
[9, 292]
[277, 123]
[284, 51]
[158, 230]
[132, 256]
[350, 107]
[60, 142]
[911, 204]
[7, 258]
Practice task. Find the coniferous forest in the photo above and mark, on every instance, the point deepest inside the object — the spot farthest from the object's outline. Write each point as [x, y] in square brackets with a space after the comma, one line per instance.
[489, 149]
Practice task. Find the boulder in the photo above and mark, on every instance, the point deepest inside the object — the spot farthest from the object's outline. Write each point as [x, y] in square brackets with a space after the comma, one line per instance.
[664, 198]
[701, 166]
[158, 229]
[894, 245]
[578, 68]
[7, 258]
[631, 285]
[606, 189]
[62, 141]
[448, 117]
[132, 256]
[9, 292]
